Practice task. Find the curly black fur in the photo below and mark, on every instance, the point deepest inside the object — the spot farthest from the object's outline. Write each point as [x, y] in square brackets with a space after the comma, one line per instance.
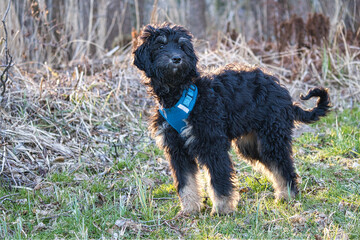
[237, 104]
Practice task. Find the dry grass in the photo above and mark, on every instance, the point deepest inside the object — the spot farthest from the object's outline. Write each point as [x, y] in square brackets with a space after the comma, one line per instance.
[60, 32]
[50, 117]
[71, 116]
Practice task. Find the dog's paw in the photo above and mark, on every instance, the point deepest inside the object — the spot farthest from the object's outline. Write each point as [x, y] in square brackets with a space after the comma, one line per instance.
[282, 196]
[223, 209]
[225, 205]
[221, 212]
[190, 209]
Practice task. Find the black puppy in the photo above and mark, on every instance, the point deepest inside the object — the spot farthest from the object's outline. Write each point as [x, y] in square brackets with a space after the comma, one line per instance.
[200, 115]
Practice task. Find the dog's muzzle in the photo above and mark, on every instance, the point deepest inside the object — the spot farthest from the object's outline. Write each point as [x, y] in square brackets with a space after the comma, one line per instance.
[175, 63]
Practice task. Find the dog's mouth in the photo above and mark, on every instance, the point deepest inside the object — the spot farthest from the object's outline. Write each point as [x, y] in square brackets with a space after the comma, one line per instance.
[174, 70]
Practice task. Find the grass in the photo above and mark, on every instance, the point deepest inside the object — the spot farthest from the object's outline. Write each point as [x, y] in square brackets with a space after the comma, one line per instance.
[136, 199]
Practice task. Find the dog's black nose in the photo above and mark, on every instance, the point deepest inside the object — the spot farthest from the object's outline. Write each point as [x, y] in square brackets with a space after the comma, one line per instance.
[176, 59]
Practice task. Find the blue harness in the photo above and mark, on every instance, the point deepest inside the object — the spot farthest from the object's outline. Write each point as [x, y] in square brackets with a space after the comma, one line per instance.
[177, 115]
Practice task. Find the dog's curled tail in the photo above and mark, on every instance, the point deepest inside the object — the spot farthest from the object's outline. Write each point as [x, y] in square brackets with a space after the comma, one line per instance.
[321, 109]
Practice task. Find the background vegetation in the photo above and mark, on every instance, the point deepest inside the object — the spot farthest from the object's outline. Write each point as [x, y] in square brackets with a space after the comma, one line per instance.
[76, 160]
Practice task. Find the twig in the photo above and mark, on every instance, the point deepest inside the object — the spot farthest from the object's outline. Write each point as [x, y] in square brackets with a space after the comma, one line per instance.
[6, 12]
[12, 175]
[22, 187]
[6, 196]
[7, 199]
[258, 180]
[137, 14]
[3, 162]
[164, 198]
[8, 57]
[65, 214]
[274, 221]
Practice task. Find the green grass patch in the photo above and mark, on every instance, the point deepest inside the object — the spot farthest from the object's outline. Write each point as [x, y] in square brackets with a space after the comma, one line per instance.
[164, 190]
[136, 197]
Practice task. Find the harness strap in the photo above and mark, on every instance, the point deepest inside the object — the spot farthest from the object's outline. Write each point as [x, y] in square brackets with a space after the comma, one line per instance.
[177, 115]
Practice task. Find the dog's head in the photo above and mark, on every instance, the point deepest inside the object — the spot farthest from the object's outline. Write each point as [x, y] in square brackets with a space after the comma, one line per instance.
[165, 52]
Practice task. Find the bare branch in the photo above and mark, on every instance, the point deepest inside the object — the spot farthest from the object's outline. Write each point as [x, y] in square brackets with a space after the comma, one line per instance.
[7, 10]
[8, 58]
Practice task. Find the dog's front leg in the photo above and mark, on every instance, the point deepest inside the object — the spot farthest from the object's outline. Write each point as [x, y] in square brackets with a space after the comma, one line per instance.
[185, 172]
[183, 165]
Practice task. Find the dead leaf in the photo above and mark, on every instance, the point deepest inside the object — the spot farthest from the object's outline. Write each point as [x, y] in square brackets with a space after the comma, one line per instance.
[159, 168]
[321, 219]
[297, 205]
[59, 159]
[297, 219]
[245, 189]
[341, 206]
[42, 212]
[356, 165]
[148, 182]
[21, 201]
[101, 200]
[121, 225]
[162, 161]
[341, 235]
[39, 227]
[81, 177]
[318, 237]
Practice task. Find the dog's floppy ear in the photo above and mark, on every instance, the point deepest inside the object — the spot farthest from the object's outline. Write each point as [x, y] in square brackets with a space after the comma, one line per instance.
[141, 57]
[141, 52]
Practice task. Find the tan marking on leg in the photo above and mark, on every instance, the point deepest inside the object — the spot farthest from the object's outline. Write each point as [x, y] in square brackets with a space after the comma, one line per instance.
[222, 204]
[279, 183]
[190, 195]
[282, 190]
[225, 205]
[159, 137]
[281, 187]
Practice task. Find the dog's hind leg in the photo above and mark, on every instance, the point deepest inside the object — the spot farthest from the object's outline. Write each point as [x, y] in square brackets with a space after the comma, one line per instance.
[221, 180]
[271, 155]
